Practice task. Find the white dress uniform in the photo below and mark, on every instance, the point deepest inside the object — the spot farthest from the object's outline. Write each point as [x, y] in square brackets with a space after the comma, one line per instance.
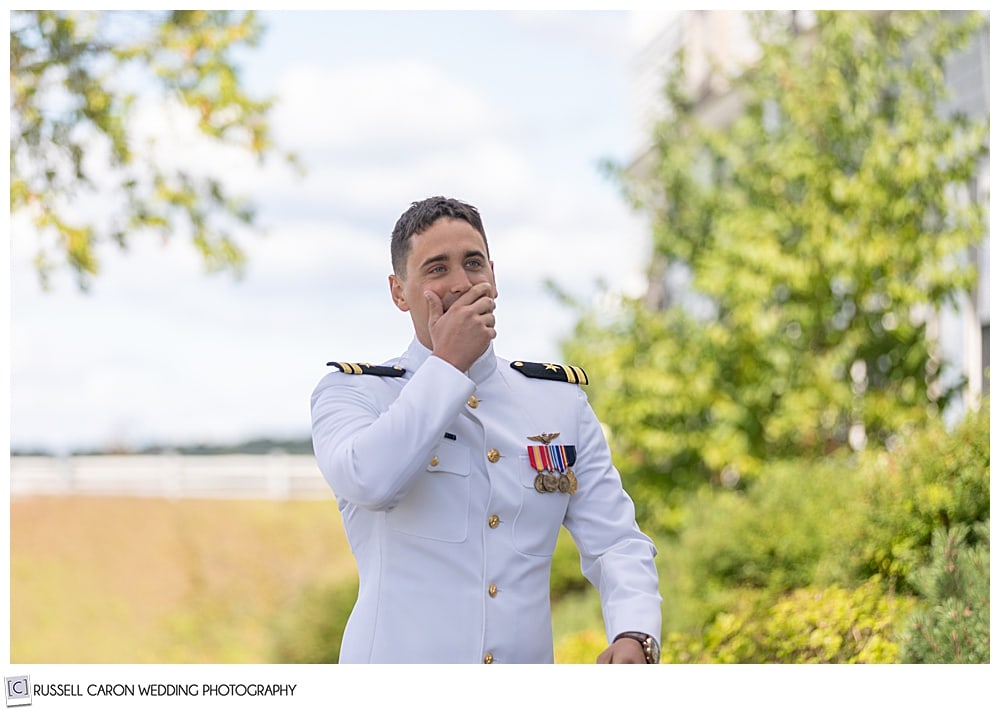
[452, 540]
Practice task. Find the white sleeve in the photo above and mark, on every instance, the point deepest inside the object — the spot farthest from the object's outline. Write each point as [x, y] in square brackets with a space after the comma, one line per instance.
[615, 556]
[370, 454]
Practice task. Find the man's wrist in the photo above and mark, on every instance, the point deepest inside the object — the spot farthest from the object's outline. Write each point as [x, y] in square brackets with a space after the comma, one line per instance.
[649, 644]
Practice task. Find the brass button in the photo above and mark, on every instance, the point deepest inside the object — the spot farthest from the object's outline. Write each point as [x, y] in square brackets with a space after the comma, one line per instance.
[493, 590]
[434, 461]
[488, 659]
[494, 521]
[493, 455]
[473, 402]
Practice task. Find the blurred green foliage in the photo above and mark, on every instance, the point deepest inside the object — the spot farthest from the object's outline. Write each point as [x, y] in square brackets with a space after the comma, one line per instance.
[76, 78]
[820, 228]
[580, 647]
[792, 528]
[566, 577]
[805, 626]
[938, 480]
[881, 558]
[952, 625]
[311, 629]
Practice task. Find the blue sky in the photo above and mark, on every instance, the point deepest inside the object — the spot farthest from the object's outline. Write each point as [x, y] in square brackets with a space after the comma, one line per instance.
[509, 111]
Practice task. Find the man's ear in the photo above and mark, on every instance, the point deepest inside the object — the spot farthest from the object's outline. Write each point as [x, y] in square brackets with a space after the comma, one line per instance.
[397, 293]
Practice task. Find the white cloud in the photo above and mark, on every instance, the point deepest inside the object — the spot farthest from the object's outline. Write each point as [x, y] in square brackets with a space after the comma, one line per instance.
[378, 110]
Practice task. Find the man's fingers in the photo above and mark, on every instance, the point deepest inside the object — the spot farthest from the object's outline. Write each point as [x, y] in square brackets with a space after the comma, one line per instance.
[435, 307]
[473, 295]
[485, 305]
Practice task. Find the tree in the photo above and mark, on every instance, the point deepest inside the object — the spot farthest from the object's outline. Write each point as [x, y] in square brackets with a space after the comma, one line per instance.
[73, 97]
[821, 225]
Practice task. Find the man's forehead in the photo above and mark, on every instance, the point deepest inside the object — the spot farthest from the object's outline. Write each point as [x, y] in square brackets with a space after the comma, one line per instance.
[446, 221]
[453, 236]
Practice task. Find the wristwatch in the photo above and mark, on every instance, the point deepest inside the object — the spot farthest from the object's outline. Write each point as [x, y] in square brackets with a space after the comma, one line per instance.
[650, 647]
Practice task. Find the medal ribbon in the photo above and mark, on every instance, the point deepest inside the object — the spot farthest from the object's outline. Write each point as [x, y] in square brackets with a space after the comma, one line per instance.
[551, 457]
[558, 457]
[566, 455]
[537, 457]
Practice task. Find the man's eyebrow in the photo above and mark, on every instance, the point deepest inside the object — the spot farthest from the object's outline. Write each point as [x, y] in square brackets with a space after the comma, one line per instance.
[433, 260]
[444, 257]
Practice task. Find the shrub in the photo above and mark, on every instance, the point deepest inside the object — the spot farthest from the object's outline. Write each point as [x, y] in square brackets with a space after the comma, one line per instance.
[786, 531]
[808, 625]
[952, 624]
[938, 480]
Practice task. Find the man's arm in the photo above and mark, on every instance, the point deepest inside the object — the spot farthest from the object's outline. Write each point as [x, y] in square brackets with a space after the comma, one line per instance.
[616, 557]
[369, 456]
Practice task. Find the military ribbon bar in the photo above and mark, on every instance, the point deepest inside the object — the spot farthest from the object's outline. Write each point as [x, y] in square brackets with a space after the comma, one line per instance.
[539, 457]
[551, 457]
[563, 456]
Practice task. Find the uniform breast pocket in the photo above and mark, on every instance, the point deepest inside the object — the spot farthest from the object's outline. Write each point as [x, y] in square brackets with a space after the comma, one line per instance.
[536, 526]
[437, 506]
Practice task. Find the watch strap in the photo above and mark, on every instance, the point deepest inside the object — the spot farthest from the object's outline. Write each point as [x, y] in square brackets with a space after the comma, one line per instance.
[642, 638]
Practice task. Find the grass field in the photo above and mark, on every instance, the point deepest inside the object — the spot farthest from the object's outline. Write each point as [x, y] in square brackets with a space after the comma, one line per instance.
[128, 580]
[132, 581]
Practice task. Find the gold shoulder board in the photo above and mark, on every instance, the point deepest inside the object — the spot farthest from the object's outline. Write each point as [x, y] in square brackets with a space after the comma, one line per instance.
[551, 371]
[385, 371]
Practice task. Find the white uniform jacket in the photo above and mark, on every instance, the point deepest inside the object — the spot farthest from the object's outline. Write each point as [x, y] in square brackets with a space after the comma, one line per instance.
[453, 542]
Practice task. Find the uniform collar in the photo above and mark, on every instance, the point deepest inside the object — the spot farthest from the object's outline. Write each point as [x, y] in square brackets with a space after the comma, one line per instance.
[482, 369]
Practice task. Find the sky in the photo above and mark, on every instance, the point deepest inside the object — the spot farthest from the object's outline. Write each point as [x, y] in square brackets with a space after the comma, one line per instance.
[511, 111]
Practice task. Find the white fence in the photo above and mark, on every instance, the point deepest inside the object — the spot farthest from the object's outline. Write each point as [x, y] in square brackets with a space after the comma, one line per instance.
[174, 476]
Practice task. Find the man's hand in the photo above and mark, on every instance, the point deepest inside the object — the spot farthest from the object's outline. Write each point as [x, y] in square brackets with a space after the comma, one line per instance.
[624, 651]
[462, 333]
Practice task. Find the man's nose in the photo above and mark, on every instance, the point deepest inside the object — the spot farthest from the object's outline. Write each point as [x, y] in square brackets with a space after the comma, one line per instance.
[460, 282]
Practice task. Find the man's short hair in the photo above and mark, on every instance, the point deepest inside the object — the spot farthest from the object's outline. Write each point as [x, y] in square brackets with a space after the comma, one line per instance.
[420, 216]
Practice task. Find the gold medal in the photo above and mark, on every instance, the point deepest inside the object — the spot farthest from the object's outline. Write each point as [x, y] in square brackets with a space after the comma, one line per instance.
[563, 485]
[539, 485]
[550, 482]
[571, 478]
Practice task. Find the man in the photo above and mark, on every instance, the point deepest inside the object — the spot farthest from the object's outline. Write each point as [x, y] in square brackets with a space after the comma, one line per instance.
[454, 471]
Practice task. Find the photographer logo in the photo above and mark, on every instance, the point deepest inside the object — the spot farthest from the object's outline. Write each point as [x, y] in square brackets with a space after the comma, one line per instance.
[18, 690]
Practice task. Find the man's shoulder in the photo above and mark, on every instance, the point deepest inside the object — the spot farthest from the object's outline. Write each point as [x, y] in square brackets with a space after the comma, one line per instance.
[344, 374]
[387, 370]
[555, 372]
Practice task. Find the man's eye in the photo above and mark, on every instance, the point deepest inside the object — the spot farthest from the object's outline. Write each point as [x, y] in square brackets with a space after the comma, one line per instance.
[474, 264]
